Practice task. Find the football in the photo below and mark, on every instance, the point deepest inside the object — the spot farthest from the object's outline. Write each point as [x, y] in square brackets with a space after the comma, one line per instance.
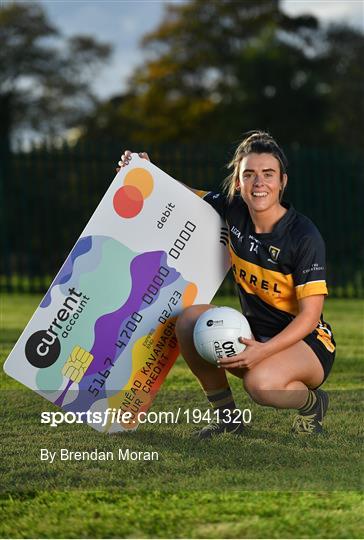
[217, 331]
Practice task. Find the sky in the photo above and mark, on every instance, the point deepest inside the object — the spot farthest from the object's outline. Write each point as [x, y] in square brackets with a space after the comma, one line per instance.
[123, 23]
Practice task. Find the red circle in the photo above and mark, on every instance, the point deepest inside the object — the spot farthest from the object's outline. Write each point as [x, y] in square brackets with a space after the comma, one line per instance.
[128, 201]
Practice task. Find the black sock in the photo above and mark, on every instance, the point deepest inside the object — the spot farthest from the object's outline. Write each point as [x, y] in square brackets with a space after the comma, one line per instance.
[221, 399]
[310, 403]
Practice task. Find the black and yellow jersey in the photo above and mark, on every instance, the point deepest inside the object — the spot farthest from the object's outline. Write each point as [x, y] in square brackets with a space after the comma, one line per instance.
[273, 270]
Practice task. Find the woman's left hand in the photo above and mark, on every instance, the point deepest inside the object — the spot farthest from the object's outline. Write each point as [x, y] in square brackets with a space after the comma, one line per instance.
[254, 353]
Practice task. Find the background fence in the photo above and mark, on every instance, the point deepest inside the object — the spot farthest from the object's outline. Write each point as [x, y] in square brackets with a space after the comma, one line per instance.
[49, 193]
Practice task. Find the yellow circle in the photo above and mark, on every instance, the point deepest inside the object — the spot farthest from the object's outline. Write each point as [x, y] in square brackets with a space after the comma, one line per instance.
[141, 179]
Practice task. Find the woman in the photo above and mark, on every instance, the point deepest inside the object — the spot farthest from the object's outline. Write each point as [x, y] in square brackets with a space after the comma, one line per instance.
[278, 262]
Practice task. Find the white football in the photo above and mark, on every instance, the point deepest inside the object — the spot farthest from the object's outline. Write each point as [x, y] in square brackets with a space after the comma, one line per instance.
[217, 331]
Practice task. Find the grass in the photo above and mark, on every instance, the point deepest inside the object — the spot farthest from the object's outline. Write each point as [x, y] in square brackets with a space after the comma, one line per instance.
[267, 485]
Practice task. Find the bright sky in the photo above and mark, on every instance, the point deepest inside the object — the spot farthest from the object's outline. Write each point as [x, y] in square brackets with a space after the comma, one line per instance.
[124, 22]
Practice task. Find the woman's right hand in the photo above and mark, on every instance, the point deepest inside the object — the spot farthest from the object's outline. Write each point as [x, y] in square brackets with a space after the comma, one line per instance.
[126, 157]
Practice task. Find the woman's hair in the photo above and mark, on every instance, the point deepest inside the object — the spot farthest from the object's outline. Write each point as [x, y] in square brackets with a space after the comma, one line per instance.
[257, 142]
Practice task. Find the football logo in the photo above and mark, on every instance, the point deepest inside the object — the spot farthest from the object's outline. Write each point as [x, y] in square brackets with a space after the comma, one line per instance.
[274, 252]
[224, 348]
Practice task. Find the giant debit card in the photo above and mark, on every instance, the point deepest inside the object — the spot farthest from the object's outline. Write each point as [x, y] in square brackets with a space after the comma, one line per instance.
[103, 336]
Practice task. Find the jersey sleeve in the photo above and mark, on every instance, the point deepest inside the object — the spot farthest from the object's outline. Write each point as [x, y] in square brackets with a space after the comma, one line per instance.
[217, 200]
[309, 274]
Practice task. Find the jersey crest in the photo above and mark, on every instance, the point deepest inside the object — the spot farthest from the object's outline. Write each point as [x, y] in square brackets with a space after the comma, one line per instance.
[274, 252]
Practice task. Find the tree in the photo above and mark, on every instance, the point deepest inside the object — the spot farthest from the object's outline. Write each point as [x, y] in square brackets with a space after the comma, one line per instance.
[216, 69]
[44, 79]
[345, 85]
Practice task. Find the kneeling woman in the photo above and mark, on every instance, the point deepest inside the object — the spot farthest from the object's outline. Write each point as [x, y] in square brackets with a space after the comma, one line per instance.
[278, 261]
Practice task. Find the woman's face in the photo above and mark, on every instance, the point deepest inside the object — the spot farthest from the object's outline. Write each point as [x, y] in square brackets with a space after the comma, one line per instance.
[260, 181]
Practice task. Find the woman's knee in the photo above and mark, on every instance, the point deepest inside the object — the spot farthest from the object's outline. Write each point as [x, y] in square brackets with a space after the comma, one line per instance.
[208, 375]
[187, 319]
[262, 386]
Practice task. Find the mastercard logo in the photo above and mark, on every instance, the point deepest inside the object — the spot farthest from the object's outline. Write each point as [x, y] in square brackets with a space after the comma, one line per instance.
[129, 199]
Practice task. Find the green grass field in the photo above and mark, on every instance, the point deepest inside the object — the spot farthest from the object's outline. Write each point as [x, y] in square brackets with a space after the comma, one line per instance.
[267, 484]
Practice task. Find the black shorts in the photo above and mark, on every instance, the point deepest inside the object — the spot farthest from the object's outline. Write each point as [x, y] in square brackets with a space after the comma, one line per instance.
[323, 345]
